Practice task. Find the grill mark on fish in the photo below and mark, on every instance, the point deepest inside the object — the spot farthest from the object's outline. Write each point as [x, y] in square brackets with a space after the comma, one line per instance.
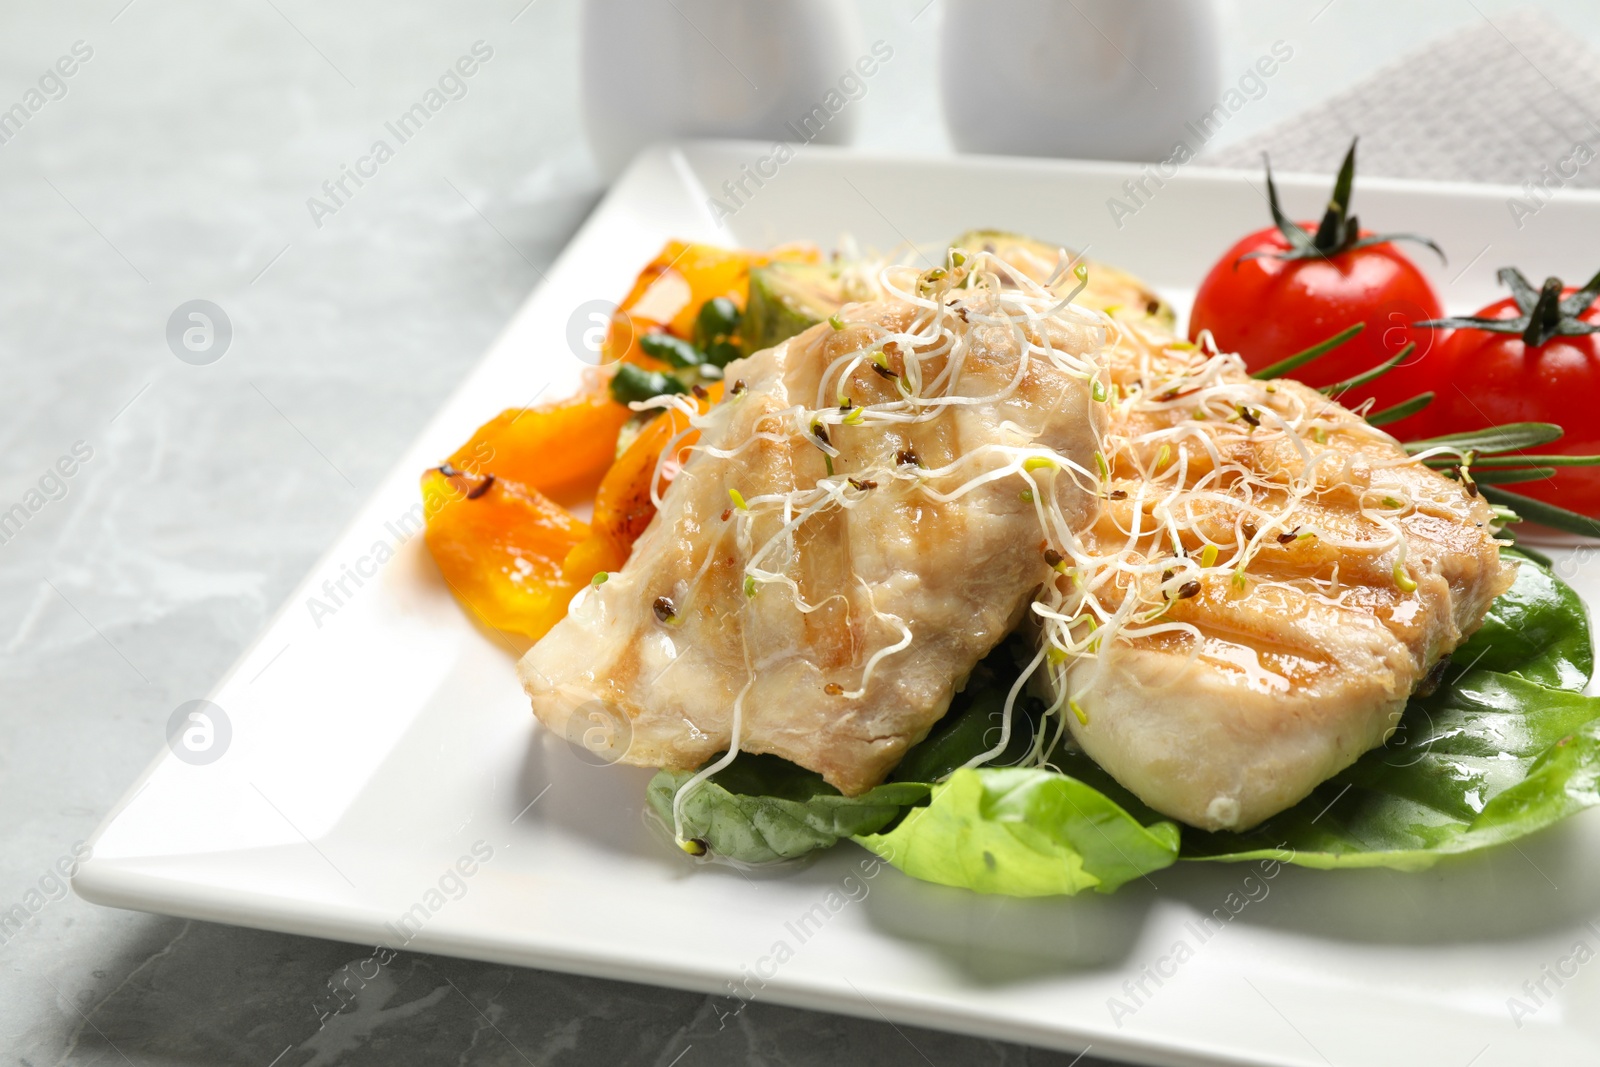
[958, 573]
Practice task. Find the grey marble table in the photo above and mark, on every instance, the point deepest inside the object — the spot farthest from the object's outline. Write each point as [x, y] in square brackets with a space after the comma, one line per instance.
[174, 164]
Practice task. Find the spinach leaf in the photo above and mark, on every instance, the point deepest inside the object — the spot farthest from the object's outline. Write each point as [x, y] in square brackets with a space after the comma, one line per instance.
[761, 808]
[1539, 629]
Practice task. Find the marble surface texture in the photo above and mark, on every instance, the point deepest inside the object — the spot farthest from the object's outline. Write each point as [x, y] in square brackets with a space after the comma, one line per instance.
[176, 167]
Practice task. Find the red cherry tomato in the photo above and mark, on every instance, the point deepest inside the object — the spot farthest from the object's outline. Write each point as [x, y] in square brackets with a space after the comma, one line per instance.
[1268, 308]
[1485, 379]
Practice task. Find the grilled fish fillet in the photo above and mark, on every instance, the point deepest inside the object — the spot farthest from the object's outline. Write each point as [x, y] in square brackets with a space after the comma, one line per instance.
[1341, 571]
[839, 641]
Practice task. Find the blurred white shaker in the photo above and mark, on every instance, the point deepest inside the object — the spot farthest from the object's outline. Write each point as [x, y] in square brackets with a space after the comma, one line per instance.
[1092, 79]
[653, 70]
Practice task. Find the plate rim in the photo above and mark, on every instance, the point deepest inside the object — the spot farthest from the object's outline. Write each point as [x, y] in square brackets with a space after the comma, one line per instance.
[122, 884]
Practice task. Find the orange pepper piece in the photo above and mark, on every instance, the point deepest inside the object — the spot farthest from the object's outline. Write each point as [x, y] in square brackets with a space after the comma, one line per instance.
[500, 546]
[590, 556]
[623, 505]
[511, 553]
[669, 291]
[561, 449]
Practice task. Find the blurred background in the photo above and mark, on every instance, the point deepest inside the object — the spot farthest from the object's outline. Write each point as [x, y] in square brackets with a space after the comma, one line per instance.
[202, 152]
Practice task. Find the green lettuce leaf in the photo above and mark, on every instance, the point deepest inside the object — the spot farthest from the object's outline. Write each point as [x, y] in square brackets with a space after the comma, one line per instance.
[761, 808]
[1024, 832]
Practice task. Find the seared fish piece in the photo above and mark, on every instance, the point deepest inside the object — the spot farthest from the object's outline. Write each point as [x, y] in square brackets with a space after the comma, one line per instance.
[850, 536]
[1282, 574]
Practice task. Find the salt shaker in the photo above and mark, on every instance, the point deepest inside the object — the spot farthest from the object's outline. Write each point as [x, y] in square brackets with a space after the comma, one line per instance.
[654, 70]
[1096, 79]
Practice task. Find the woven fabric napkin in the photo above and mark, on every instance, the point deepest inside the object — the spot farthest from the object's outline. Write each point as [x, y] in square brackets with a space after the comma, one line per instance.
[1496, 102]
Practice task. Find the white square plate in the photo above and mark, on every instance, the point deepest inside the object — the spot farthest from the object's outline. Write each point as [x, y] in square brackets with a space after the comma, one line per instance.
[373, 748]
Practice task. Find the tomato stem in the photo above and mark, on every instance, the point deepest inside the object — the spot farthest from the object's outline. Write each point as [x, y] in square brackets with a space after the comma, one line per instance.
[1544, 313]
[1339, 230]
[1545, 318]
